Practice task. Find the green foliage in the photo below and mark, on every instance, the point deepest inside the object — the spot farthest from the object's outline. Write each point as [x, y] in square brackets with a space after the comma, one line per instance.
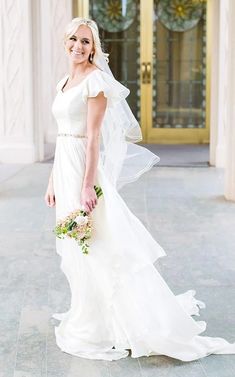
[79, 232]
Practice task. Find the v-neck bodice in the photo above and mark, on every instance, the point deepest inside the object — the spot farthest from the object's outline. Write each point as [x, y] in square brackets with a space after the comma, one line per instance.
[70, 107]
[75, 86]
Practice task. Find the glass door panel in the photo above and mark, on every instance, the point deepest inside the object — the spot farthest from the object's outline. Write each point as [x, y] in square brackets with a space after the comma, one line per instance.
[119, 26]
[179, 72]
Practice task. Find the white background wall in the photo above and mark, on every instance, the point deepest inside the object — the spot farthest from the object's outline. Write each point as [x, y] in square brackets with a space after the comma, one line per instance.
[33, 60]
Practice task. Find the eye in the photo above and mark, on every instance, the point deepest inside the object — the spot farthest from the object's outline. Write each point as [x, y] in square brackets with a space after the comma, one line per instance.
[85, 41]
[72, 38]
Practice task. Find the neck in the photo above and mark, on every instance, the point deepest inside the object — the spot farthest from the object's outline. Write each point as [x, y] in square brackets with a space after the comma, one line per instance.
[80, 69]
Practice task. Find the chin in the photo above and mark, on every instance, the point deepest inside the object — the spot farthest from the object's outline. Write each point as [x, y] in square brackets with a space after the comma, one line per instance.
[77, 59]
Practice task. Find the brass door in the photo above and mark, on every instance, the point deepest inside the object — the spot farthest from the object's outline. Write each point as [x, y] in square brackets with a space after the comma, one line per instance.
[159, 50]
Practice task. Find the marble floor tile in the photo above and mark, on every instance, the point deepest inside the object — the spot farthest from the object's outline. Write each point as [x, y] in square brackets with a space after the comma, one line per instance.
[185, 211]
[163, 366]
[125, 367]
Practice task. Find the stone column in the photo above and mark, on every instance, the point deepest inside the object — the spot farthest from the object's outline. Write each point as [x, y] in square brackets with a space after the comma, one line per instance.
[213, 29]
[31, 63]
[223, 81]
[230, 126]
[54, 17]
[17, 142]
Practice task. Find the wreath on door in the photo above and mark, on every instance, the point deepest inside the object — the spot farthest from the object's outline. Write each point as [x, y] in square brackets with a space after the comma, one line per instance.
[180, 15]
[114, 15]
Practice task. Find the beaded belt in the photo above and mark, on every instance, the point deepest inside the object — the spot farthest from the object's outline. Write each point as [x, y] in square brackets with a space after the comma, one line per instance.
[72, 135]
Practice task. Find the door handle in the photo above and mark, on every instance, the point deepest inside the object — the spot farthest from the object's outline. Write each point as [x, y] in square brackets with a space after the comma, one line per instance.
[146, 73]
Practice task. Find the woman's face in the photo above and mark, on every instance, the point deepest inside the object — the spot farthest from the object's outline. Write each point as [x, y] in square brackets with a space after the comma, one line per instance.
[80, 45]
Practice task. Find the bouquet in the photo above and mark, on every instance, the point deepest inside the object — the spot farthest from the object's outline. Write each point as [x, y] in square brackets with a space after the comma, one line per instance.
[77, 225]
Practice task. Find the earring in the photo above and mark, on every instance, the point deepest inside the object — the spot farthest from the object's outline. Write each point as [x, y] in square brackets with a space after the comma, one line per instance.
[90, 58]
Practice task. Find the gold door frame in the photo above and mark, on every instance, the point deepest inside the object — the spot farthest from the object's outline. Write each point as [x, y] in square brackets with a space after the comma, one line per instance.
[167, 136]
[81, 8]
[150, 134]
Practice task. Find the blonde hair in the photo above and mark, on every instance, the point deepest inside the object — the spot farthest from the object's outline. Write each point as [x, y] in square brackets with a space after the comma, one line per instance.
[72, 27]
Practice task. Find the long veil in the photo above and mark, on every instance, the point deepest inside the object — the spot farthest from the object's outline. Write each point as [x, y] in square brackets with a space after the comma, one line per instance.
[123, 160]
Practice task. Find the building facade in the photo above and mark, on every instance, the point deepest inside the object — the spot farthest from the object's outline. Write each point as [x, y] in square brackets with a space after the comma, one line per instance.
[176, 57]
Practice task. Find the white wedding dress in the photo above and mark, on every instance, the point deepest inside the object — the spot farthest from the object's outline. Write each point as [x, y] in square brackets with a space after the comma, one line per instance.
[119, 301]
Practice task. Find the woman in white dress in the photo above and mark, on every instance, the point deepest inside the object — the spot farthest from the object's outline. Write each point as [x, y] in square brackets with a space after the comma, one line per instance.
[119, 301]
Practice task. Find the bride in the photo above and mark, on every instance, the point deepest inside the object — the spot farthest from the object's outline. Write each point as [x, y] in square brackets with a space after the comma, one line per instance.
[119, 301]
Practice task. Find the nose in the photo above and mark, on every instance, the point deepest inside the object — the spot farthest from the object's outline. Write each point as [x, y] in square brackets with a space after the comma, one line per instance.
[78, 44]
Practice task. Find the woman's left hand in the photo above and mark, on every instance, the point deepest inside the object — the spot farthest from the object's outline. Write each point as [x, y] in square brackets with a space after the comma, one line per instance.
[88, 199]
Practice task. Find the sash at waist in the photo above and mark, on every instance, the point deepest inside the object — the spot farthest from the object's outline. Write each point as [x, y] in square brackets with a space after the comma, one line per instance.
[72, 135]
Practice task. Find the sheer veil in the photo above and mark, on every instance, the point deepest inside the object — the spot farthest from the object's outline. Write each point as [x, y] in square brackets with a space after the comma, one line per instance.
[123, 160]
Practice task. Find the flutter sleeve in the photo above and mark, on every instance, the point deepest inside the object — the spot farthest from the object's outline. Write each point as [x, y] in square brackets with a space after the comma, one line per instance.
[100, 81]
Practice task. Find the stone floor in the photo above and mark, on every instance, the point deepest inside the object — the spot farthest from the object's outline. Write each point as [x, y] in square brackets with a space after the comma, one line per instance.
[184, 155]
[185, 211]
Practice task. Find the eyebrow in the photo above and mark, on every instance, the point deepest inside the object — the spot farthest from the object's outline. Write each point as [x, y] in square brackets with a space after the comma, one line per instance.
[81, 37]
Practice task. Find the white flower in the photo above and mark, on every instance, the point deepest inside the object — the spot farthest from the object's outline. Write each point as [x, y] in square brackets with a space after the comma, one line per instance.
[81, 220]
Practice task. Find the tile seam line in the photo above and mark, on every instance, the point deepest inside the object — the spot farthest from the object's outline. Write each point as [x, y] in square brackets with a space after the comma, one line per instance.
[14, 175]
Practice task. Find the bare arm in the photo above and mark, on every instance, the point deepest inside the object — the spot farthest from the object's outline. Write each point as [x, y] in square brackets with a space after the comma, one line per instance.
[51, 177]
[50, 195]
[95, 113]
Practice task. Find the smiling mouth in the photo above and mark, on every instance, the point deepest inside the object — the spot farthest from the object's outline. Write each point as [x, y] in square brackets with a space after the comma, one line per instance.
[77, 53]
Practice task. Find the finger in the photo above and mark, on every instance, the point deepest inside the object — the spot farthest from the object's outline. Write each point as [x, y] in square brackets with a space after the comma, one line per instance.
[87, 207]
[47, 200]
[51, 200]
[89, 204]
[94, 201]
[87, 210]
